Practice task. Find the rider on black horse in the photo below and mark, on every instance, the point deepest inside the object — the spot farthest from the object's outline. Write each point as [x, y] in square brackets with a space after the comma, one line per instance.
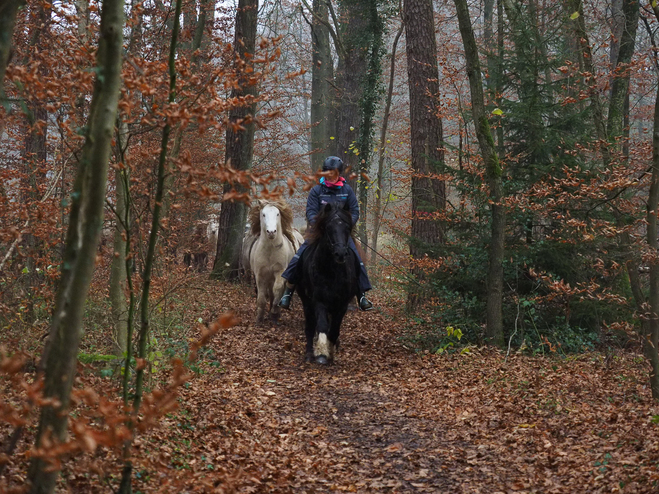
[331, 189]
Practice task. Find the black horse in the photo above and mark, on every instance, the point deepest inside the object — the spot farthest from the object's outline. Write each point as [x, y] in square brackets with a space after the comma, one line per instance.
[329, 281]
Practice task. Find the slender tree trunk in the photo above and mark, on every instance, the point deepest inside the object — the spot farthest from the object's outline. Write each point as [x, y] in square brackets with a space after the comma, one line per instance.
[494, 329]
[85, 223]
[149, 261]
[35, 149]
[617, 26]
[490, 46]
[118, 265]
[586, 61]
[651, 340]
[498, 84]
[620, 86]
[368, 105]
[541, 47]
[428, 194]
[8, 11]
[322, 72]
[197, 55]
[240, 145]
[377, 217]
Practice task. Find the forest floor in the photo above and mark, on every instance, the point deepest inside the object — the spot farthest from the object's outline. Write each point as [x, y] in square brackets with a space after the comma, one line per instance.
[255, 417]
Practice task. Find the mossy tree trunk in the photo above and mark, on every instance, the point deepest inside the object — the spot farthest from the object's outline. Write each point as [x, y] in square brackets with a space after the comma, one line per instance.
[494, 328]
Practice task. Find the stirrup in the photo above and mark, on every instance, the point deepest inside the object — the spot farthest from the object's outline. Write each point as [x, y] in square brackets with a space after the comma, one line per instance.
[365, 304]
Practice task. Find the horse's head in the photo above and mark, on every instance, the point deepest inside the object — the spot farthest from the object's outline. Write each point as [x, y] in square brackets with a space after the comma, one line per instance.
[337, 228]
[270, 221]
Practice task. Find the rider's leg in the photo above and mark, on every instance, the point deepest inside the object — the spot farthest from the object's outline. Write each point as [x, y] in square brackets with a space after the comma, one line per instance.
[291, 275]
[362, 280]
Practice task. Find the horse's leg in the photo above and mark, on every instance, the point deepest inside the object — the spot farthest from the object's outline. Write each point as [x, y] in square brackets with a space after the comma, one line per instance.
[322, 348]
[260, 301]
[335, 328]
[309, 330]
[277, 292]
[270, 300]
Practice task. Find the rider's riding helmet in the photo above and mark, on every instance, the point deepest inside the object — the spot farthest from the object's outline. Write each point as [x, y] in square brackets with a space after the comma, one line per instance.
[333, 163]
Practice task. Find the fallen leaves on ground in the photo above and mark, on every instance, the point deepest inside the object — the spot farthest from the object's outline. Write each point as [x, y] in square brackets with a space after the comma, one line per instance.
[256, 418]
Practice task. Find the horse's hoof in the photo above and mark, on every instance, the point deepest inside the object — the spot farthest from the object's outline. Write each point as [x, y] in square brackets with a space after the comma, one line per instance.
[309, 358]
[321, 359]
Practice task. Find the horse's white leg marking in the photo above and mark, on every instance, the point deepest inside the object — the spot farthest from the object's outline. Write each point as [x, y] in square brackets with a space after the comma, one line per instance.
[322, 346]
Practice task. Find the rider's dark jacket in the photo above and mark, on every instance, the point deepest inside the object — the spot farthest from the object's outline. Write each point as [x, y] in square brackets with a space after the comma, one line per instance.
[321, 195]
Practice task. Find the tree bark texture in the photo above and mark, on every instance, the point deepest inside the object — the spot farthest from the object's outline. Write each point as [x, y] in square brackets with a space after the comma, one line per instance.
[118, 266]
[34, 146]
[651, 340]
[8, 11]
[494, 328]
[350, 72]
[620, 85]
[322, 72]
[372, 44]
[585, 57]
[85, 223]
[428, 193]
[379, 212]
[239, 144]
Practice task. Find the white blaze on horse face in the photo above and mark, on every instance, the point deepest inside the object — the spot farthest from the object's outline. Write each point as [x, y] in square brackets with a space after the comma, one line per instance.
[323, 346]
[270, 221]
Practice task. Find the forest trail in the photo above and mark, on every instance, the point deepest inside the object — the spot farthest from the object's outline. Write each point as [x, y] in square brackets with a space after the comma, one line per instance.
[384, 419]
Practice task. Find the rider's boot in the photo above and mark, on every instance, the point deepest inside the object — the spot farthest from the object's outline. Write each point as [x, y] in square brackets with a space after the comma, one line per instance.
[364, 303]
[285, 302]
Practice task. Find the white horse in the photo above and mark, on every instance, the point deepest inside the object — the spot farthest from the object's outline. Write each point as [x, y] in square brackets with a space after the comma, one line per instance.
[267, 250]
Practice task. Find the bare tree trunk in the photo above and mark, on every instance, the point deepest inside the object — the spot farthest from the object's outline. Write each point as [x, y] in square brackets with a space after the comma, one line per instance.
[620, 86]
[586, 61]
[85, 222]
[350, 72]
[494, 329]
[651, 340]
[125, 486]
[35, 150]
[377, 217]
[197, 55]
[322, 72]
[618, 24]
[8, 11]
[118, 265]
[240, 145]
[428, 194]
[498, 84]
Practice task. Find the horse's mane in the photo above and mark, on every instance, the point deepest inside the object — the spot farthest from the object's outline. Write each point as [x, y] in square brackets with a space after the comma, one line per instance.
[315, 232]
[285, 213]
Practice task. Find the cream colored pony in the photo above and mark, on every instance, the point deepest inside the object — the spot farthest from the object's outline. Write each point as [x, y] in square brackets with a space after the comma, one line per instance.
[267, 250]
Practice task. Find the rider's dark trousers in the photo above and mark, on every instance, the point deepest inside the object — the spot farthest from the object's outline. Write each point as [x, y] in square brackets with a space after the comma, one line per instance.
[292, 273]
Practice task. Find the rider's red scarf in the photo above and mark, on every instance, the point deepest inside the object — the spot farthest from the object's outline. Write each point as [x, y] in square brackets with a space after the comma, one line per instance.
[338, 183]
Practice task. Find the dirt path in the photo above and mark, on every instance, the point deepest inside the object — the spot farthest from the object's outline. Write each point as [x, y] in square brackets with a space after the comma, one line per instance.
[382, 419]
[343, 427]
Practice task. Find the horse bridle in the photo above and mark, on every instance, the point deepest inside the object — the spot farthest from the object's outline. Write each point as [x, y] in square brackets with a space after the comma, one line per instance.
[329, 240]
